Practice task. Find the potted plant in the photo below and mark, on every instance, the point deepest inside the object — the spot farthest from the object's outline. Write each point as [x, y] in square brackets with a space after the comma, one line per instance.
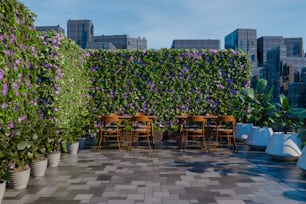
[52, 144]
[39, 139]
[262, 116]
[243, 113]
[285, 143]
[3, 175]
[18, 157]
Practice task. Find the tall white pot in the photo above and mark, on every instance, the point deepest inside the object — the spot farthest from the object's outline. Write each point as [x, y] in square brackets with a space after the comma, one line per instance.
[301, 163]
[19, 179]
[73, 148]
[38, 168]
[2, 189]
[53, 158]
[242, 130]
[284, 146]
[259, 137]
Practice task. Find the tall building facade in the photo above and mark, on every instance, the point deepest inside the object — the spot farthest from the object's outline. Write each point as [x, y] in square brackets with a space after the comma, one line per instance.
[196, 44]
[294, 47]
[286, 74]
[273, 70]
[120, 42]
[243, 39]
[81, 31]
[264, 44]
[50, 28]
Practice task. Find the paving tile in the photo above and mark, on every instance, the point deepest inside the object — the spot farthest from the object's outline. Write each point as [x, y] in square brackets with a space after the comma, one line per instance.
[165, 176]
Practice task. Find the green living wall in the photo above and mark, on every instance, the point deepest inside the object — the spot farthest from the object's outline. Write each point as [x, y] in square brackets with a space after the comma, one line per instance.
[167, 82]
[43, 85]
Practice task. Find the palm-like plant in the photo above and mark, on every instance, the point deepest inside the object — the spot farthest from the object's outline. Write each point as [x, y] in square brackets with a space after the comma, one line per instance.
[259, 101]
[288, 118]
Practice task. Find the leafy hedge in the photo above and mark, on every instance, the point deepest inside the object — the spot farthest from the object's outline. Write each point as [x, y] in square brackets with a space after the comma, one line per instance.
[43, 85]
[167, 82]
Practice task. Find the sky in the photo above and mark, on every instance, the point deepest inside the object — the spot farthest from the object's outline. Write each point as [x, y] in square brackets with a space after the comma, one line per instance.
[162, 21]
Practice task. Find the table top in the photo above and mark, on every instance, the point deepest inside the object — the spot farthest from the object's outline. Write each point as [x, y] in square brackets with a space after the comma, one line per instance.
[130, 116]
[204, 116]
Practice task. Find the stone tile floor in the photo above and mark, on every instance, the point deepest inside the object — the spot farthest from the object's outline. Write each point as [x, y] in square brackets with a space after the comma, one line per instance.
[165, 175]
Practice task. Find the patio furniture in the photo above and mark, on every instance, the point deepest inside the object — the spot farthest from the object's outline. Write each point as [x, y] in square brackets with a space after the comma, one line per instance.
[142, 127]
[182, 120]
[195, 131]
[211, 126]
[109, 128]
[226, 129]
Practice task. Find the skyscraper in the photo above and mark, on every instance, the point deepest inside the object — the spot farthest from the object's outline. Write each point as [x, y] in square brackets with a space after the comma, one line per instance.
[196, 44]
[81, 31]
[264, 44]
[243, 39]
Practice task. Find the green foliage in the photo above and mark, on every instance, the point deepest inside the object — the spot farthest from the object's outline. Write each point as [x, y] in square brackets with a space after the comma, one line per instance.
[166, 82]
[288, 118]
[17, 83]
[72, 114]
[262, 110]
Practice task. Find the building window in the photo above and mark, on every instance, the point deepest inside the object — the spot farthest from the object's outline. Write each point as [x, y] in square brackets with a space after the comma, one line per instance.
[253, 58]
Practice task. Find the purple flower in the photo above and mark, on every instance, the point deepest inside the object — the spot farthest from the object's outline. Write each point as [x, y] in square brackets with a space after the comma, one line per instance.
[13, 166]
[221, 86]
[4, 105]
[15, 86]
[4, 89]
[1, 74]
[21, 118]
[11, 125]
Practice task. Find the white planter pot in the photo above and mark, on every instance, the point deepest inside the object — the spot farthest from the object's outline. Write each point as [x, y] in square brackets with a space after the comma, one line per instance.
[259, 138]
[2, 189]
[19, 179]
[301, 163]
[53, 159]
[284, 146]
[38, 168]
[242, 130]
[73, 148]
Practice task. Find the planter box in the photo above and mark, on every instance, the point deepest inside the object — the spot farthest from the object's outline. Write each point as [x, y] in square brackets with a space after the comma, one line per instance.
[259, 138]
[242, 130]
[284, 146]
[301, 163]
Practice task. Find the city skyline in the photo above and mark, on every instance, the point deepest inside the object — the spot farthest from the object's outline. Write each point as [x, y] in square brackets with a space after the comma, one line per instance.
[162, 21]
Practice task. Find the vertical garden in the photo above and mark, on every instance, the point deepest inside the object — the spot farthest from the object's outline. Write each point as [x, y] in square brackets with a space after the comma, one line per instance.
[167, 82]
[43, 84]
